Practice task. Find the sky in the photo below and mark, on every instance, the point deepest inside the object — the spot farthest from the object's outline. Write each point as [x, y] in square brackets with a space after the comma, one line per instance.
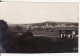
[24, 12]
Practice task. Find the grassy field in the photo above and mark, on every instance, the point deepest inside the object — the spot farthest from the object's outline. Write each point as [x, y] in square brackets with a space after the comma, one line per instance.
[45, 33]
[13, 43]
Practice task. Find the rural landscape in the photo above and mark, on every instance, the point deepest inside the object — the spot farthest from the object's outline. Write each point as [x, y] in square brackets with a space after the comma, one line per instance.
[44, 37]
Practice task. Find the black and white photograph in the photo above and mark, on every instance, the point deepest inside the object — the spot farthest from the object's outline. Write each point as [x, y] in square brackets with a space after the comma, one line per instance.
[47, 27]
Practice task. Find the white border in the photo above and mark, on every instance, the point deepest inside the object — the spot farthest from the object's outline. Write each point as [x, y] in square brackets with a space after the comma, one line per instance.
[54, 54]
[46, 54]
[44, 0]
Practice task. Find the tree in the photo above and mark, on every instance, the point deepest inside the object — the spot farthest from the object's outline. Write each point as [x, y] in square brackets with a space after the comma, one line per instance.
[3, 31]
[3, 26]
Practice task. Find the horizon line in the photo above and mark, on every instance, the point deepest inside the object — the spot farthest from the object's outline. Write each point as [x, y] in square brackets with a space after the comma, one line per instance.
[43, 22]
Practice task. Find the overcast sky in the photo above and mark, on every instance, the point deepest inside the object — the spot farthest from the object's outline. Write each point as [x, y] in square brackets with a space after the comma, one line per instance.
[23, 12]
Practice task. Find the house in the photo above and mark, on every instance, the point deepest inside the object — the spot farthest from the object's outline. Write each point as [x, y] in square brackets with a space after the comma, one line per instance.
[69, 32]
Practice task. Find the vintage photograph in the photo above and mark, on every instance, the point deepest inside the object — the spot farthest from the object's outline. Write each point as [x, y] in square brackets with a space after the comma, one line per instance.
[27, 27]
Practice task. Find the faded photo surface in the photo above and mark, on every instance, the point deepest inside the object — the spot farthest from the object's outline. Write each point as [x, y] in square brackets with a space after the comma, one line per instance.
[39, 27]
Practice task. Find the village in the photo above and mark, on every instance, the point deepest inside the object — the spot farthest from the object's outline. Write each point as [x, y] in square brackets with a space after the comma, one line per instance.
[47, 29]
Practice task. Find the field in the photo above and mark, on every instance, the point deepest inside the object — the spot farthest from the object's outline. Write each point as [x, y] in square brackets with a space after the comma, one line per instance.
[17, 43]
[45, 33]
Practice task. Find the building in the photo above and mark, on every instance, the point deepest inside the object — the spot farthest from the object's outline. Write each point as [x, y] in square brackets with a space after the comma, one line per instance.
[69, 32]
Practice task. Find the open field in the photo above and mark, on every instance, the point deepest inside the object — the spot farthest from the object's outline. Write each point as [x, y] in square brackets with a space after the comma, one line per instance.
[14, 43]
[46, 33]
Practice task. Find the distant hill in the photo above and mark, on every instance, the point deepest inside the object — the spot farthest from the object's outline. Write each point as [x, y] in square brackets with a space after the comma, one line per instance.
[55, 23]
[47, 23]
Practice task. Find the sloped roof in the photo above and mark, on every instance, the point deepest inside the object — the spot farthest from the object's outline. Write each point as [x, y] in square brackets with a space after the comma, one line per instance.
[67, 28]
